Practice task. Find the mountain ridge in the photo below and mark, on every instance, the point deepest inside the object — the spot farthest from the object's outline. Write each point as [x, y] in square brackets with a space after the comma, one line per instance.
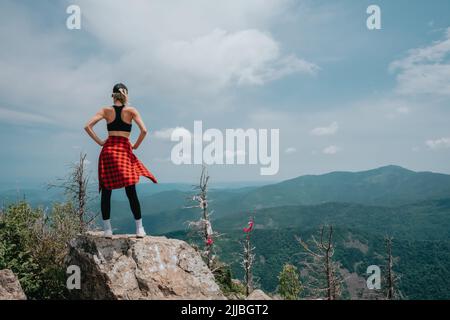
[390, 185]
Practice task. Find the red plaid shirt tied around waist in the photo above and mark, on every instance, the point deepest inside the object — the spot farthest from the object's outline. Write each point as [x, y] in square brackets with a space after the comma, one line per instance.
[118, 166]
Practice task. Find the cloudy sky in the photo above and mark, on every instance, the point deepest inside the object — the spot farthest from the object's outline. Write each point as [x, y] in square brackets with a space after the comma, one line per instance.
[344, 97]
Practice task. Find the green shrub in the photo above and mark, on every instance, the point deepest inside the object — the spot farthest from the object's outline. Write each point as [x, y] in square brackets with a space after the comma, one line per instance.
[33, 244]
[223, 277]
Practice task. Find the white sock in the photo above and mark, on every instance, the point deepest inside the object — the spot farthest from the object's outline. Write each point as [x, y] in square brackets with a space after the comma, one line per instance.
[138, 224]
[107, 224]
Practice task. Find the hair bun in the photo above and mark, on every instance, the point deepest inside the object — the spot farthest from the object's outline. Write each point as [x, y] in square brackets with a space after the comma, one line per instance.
[120, 87]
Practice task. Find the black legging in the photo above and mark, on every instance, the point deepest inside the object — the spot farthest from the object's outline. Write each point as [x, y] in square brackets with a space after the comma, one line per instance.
[132, 197]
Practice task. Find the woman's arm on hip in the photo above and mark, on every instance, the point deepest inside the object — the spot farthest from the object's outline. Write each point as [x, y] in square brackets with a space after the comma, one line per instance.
[137, 118]
[91, 123]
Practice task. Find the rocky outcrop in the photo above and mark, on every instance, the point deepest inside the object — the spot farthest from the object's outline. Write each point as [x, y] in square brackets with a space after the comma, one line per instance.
[258, 295]
[125, 267]
[10, 288]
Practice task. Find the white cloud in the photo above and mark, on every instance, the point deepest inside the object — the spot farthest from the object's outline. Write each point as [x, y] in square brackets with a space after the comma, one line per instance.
[40, 70]
[398, 111]
[441, 143]
[194, 47]
[163, 160]
[276, 118]
[19, 117]
[425, 70]
[324, 131]
[330, 150]
[168, 49]
[290, 150]
[220, 58]
[165, 134]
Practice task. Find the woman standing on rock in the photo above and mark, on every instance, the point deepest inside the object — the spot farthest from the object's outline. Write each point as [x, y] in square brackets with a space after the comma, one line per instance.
[118, 167]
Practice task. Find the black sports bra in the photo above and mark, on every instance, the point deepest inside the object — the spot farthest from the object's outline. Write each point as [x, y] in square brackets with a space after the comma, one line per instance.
[118, 124]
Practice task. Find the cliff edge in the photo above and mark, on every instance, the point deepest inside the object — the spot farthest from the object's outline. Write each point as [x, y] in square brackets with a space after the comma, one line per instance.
[126, 267]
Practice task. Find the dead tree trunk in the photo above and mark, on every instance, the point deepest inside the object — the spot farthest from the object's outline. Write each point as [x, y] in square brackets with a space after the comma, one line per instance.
[81, 189]
[330, 277]
[390, 277]
[248, 259]
[75, 187]
[320, 265]
[203, 226]
[207, 228]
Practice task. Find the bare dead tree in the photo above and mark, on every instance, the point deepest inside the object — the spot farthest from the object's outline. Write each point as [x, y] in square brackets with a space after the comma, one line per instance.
[391, 279]
[323, 275]
[75, 186]
[248, 258]
[203, 226]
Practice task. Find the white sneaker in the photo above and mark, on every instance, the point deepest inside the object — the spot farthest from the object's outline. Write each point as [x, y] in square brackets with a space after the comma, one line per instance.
[108, 234]
[140, 233]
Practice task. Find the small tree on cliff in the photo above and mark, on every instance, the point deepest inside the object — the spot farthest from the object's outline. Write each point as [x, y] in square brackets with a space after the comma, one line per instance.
[322, 271]
[289, 286]
[75, 186]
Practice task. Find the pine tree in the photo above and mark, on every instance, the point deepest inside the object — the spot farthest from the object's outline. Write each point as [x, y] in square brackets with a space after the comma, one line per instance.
[289, 286]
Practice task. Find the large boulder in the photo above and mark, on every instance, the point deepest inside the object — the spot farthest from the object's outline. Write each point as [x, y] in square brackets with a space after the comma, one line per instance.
[258, 295]
[126, 267]
[10, 288]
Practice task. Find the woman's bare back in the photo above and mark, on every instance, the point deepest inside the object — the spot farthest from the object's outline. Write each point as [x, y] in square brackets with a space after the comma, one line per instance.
[126, 116]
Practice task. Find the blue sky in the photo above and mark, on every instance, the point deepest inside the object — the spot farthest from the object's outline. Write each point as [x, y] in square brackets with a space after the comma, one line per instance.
[344, 97]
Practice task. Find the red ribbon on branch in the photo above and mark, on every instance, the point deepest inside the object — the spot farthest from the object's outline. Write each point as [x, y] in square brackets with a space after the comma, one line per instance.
[249, 227]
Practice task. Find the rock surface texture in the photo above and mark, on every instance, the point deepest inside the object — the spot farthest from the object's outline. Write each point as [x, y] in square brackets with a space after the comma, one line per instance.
[126, 267]
[258, 295]
[10, 288]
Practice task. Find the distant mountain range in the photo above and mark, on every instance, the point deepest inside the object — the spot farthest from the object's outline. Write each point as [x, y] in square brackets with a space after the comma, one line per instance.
[389, 185]
[353, 194]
